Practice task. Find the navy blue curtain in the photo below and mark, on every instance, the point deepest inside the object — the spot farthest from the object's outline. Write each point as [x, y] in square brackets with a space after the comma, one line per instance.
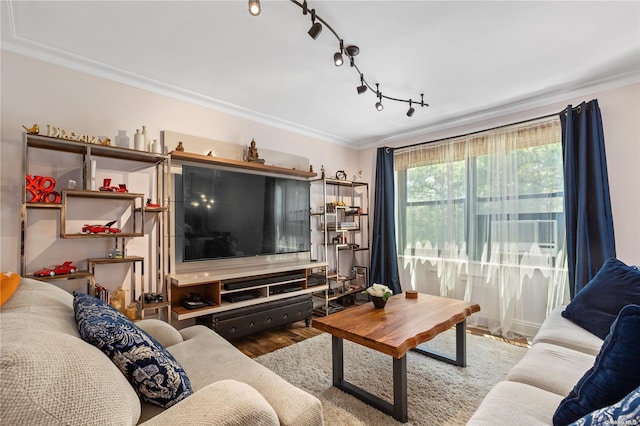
[590, 236]
[384, 259]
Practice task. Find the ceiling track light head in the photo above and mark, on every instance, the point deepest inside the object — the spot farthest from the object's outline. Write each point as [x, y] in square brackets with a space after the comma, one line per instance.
[316, 28]
[337, 57]
[254, 7]
[411, 110]
[352, 51]
[379, 105]
[363, 87]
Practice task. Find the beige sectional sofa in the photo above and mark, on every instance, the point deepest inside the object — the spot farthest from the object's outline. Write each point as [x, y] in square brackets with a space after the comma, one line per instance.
[49, 375]
[560, 354]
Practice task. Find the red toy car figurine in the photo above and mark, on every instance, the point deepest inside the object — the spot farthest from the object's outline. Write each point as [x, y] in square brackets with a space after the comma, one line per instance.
[97, 229]
[66, 268]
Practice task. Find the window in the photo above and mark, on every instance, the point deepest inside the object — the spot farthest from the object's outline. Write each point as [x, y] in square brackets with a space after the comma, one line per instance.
[478, 206]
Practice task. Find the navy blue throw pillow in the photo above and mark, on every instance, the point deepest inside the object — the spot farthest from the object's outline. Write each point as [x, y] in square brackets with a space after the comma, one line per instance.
[615, 373]
[597, 304]
[152, 371]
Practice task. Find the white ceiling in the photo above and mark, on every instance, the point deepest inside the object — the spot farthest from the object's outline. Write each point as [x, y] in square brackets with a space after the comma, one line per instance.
[472, 60]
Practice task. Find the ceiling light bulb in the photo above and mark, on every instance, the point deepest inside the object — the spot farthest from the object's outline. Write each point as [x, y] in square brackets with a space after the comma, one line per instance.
[254, 7]
[379, 106]
[337, 59]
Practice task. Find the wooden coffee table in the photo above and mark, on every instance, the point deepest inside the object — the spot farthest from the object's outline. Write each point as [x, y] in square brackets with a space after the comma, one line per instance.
[401, 326]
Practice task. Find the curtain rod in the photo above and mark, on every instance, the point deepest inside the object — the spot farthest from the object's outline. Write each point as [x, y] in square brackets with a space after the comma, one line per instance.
[482, 131]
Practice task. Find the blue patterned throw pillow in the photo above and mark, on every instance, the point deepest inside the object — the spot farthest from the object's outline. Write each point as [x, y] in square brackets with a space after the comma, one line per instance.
[152, 371]
[624, 412]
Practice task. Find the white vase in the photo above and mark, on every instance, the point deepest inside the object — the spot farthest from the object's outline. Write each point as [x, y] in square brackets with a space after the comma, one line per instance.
[122, 140]
[157, 147]
[138, 141]
[147, 145]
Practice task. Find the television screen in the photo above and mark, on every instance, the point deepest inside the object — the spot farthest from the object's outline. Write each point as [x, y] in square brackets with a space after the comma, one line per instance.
[225, 214]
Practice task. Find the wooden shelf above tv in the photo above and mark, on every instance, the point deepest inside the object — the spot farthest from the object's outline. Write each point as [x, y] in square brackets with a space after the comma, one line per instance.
[199, 158]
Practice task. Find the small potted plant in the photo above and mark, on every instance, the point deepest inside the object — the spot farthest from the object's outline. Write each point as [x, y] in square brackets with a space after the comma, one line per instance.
[379, 294]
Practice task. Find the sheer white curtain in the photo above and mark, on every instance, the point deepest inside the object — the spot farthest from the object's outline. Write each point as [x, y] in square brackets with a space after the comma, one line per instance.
[480, 218]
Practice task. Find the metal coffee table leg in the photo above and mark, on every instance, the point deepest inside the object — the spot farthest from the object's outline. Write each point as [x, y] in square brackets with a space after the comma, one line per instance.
[461, 348]
[399, 409]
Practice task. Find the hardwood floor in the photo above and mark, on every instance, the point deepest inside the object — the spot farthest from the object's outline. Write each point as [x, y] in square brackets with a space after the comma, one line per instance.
[270, 340]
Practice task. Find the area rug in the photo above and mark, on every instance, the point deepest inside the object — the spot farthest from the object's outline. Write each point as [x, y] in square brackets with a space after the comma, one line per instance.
[438, 393]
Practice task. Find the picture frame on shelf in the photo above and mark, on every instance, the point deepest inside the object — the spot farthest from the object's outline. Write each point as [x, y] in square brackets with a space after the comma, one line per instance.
[361, 276]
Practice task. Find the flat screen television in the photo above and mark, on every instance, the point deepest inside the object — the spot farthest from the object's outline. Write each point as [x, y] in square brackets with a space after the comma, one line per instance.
[222, 214]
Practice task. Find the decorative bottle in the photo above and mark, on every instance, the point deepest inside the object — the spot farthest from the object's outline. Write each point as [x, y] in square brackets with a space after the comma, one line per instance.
[157, 147]
[138, 141]
[122, 140]
[147, 145]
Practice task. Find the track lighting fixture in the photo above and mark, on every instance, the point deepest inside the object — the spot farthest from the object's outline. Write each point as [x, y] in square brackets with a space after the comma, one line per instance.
[351, 51]
[254, 7]
[337, 57]
[316, 28]
[411, 110]
[363, 87]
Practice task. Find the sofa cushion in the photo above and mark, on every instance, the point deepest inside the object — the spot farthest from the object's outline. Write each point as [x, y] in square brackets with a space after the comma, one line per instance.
[615, 373]
[44, 366]
[236, 404]
[512, 403]
[152, 371]
[9, 283]
[560, 331]
[562, 367]
[597, 304]
[292, 405]
[625, 411]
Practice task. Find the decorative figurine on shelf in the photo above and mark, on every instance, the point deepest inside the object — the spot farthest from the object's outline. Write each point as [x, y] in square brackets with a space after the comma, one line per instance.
[41, 189]
[151, 205]
[322, 171]
[180, 146]
[210, 154]
[106, 186]
[358, 176]
[65, 268]
[33, 130]
[107, 228]
[310, 168]
[252, 153]
[105, 141]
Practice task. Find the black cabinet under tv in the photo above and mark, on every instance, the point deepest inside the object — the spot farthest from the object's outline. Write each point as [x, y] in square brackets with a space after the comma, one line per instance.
[251, 319]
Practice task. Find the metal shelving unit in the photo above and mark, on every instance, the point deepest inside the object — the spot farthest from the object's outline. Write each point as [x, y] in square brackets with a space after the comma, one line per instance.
[340, 228]
[81, 156]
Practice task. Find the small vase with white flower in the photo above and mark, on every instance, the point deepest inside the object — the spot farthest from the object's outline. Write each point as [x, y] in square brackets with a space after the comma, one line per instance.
[379, 294]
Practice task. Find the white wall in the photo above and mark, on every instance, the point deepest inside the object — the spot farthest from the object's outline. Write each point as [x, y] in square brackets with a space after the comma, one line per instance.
[33, 91]
[37, 92]
[620, 110]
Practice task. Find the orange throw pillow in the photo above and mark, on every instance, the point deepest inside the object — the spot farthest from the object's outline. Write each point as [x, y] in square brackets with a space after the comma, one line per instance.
[8, 285]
